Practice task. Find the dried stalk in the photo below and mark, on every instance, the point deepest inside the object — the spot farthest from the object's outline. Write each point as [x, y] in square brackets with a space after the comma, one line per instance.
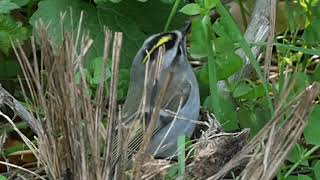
[279, 139]
[117, 43]
[139, 161]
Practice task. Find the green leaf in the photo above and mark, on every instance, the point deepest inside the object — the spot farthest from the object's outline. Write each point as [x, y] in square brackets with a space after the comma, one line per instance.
[123, 84]
[209, 4]
[227, 64]
[241, 89]
[96, 68]
[224, 45]
[296, 154]
[172, 172]
[115, 1]
[316, 169]
[244, 90]
[93, 22]
[299, 177]
[168, 1]
[9, 69]
[204, 75]
[6, 6]
[253, 117]
[20, 2]
[304, 177]
[191, 9]
[143, 14]
[10, 30]
[135, 19]
[316, 75]
[3, 177]
[86, 74]
[228, 114]
[311, 132]
[197, 46]
[311, 33]
[300, 83]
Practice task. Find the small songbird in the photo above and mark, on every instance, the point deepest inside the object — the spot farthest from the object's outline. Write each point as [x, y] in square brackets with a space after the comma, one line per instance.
[162, 56]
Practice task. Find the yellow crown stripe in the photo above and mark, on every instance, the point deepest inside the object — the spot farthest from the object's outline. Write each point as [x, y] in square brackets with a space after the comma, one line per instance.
[161, 41]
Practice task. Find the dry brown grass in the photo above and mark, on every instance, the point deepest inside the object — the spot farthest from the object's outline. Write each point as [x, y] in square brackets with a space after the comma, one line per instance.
[76, 133]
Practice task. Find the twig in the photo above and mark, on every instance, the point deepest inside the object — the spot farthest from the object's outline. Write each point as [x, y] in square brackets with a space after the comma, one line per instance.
[23, 169]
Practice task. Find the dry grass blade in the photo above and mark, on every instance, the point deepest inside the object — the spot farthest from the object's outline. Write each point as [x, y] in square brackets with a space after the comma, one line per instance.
[277, 138]
[112, 105]
[27, 141]
[68, 127]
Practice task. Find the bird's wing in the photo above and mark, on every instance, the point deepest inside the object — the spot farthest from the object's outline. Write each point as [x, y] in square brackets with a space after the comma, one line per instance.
[176, 99]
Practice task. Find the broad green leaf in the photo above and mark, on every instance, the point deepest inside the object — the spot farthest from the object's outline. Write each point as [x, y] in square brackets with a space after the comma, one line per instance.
[243, 92]
[150, 17]
[86, 74]
[316, 169]
[99, 1]
[311, 132]
[299, 177]
[301, 81]
[173, 172]
[224, 45]
[123, 84]
[257, 91]
[253, 117]
[296, 154]
[191, 9]
[20, 2]
[93, 22]
[304, 177]
[227, 64]
[197, 46]
[6, 6]
[311, 33]
[209, 4]
[222, 28]
[10, 30]
[241, 89]
[9, 69]
[115, 1]
[3, 177]
[96, 67]
[228, 118]
[168, 1]
[204, 75]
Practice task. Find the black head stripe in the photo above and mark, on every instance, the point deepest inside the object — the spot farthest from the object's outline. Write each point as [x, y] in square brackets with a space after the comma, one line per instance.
[168, 44]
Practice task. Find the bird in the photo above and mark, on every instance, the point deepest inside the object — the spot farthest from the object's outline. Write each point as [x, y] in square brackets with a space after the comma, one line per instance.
[161, 56]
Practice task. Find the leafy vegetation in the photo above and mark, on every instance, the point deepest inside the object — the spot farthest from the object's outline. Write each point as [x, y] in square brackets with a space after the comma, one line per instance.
[213, 43]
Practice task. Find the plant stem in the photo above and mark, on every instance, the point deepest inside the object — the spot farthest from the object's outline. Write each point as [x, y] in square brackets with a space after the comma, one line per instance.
[307, 154]
[172, 14]
[247, 50]
[214, 93]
